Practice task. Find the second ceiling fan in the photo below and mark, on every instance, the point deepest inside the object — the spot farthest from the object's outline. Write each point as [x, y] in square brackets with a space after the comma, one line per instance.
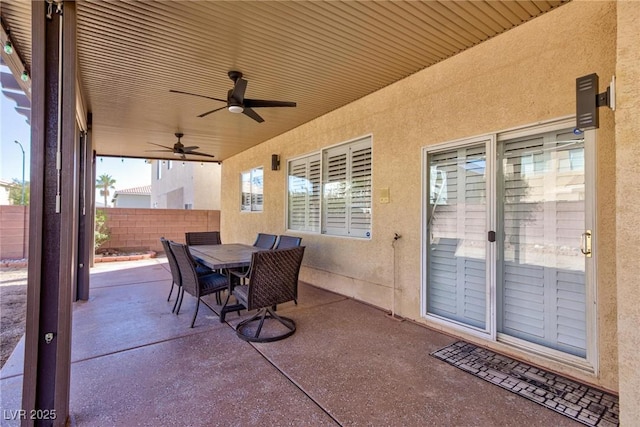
[237, 103]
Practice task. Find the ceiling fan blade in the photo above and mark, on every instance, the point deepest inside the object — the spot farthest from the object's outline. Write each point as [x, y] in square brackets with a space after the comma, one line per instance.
[163, 146]
[191, 148]
[195, 94]
[200, 154]
[212, 111]
[262, 103]
[158, 151]
[238, 90]
[255, 116]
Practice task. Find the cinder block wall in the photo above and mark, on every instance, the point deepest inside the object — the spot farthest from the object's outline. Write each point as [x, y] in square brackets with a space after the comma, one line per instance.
[14, 231]
[142, 228]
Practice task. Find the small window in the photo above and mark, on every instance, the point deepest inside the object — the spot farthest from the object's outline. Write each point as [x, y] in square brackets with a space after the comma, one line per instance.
[252, 190]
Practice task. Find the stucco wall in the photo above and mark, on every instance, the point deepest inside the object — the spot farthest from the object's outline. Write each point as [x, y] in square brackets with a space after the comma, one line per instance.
[523, 76]
[188, 182]
[133, 201]
[628, 208]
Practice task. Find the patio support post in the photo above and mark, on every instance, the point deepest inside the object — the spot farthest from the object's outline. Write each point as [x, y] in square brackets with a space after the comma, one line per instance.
[53, 216]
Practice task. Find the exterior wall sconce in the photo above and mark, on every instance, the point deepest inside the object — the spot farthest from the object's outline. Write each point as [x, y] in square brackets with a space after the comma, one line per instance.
[275, 162]
[8, 48]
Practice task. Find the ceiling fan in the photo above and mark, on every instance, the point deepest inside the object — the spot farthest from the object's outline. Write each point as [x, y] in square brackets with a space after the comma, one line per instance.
[237, 103]
[179, 149]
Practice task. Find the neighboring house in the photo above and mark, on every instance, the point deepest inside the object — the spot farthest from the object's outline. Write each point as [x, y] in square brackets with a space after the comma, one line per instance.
[138, 197]
[4, 192]
[185, 185]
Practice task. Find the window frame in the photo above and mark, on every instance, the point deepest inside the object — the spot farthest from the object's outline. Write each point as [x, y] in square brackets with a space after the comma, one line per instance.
[256, 191]
[589, 363]
[350, 228]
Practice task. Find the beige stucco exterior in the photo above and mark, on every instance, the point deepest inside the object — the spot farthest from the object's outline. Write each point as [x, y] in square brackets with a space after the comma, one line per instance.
[524, 76]
[627, 225]
[185, 183]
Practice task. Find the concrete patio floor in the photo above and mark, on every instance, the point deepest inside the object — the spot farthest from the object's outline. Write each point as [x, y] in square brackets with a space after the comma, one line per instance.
[136, 363]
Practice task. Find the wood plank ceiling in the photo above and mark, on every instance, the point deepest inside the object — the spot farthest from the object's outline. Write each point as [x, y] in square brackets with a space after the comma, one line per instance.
[320, 54]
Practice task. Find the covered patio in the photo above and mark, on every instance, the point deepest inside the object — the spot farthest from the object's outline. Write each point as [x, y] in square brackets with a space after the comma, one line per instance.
[135, 363]
[387, 88]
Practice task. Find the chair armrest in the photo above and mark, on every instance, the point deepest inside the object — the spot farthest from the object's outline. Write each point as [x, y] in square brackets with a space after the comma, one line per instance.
[241, 275]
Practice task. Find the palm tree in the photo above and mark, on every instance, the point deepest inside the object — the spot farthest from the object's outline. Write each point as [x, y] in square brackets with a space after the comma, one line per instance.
[104, 183]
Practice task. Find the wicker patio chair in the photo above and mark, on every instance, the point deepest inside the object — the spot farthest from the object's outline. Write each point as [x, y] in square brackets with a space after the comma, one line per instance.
[285, 242]
[175, 273]
[194, 238]
[265, 241]
[273, 279]
[194, 284]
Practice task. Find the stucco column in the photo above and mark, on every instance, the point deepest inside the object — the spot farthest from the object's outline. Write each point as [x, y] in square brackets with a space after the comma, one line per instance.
[628, 208]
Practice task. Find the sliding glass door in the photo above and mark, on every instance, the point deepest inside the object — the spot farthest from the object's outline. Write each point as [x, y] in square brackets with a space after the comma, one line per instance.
[508, 237]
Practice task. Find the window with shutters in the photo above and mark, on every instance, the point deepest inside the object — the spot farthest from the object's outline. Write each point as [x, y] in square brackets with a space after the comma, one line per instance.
[330, 192]
[251, 190]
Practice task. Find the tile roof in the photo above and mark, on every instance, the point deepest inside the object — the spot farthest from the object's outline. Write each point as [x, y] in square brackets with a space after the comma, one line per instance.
[144, 190]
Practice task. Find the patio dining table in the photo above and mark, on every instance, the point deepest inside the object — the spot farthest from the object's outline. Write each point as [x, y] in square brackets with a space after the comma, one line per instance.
[225, 257]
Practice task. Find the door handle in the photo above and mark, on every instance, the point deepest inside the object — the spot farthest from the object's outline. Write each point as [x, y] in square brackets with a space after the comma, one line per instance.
[585, 244]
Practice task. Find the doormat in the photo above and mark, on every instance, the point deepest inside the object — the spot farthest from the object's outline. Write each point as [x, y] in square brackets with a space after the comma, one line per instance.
[579, 402]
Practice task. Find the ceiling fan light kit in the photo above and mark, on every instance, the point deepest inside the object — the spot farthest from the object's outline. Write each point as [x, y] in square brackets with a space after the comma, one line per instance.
[237, 103]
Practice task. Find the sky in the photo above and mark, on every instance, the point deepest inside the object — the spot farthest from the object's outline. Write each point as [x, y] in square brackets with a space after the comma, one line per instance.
[128, 173]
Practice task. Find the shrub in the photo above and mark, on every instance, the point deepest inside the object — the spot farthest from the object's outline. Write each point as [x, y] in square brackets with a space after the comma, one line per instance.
[102, 232]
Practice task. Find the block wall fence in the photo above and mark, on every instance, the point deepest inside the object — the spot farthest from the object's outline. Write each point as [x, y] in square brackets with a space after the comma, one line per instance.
[14, 232]
[142, 228]
[130, 228]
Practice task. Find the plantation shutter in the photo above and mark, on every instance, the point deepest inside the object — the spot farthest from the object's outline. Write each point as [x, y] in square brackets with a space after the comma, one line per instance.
[543, 281]
[335, 191]
[245, 202]
[457, 235]
[304, 194]
[257, 189]
[347, 189]
[360, 191]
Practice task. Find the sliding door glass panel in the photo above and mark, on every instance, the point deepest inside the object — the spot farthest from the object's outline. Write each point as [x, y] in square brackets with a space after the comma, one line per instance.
[541, 272]
[457, 218]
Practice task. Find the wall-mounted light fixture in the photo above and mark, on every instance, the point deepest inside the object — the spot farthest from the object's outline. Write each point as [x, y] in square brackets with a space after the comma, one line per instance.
[275, 162]
[588, 100]
[8, 47]
[13, 59]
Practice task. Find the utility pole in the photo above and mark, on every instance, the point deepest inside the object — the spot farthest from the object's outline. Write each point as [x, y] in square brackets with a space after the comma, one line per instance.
[22, 199]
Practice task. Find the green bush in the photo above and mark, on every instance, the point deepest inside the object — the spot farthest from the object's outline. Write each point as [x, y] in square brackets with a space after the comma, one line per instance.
[102, 232]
